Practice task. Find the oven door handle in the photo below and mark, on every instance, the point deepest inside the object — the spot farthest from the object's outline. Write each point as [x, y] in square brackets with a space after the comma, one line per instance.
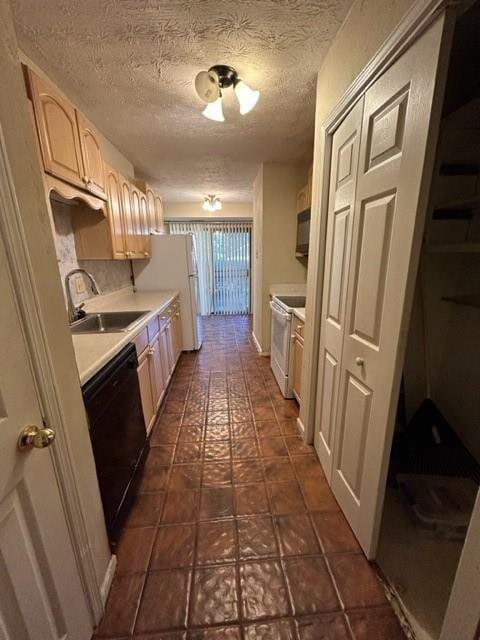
[278, 312]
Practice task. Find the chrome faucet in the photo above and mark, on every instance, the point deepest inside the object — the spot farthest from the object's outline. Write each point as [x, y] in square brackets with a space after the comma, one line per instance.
[74, 312]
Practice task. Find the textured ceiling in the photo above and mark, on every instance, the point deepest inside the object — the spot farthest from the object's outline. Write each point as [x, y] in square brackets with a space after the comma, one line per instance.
[130, 65]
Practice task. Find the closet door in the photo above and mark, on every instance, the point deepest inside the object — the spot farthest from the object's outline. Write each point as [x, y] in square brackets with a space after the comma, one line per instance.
[344, 164]
[391, 196]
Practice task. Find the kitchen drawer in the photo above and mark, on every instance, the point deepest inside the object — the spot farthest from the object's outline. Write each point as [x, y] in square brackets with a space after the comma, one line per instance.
[153, 328]
[141, 341]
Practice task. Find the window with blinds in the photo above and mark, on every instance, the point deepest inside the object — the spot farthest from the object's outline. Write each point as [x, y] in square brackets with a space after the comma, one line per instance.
[223, 255]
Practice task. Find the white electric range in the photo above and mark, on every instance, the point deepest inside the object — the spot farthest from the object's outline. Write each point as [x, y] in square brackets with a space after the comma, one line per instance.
[283, 307]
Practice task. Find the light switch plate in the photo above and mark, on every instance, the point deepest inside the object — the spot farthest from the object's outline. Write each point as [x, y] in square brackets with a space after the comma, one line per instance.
[79, 285]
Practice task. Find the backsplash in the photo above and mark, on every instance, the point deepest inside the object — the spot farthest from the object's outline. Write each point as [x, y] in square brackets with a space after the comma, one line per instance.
[110, 275]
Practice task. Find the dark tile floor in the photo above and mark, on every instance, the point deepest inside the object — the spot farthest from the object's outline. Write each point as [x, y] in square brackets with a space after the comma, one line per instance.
[235, 533]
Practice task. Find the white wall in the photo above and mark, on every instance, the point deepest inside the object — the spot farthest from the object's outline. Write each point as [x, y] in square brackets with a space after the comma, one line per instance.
[191, 210]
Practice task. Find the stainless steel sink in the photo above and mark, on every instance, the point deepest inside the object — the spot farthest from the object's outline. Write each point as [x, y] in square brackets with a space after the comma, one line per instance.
[108, 322]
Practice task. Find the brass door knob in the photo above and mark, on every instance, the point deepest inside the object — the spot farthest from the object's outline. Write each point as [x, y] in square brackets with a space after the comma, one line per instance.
[359, 361]
[33, 436]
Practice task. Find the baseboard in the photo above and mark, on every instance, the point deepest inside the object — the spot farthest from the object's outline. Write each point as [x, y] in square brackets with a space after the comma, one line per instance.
[301, 426]
[258, 346]
[108, 578]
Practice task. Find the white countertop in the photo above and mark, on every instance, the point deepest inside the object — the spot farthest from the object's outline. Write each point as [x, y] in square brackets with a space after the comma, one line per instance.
[299, 313]
[94, 350]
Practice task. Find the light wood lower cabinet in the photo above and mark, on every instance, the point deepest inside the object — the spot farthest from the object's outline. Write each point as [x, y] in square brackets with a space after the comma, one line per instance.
[297, 358]
[158, 352]
[144, 380]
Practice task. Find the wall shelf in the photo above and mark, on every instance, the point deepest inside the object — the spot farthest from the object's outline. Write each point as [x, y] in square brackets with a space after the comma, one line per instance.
[470, 301]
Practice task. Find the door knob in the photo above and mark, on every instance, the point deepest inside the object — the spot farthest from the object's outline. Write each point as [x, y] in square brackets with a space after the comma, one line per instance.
[359, 361]
[33, 436]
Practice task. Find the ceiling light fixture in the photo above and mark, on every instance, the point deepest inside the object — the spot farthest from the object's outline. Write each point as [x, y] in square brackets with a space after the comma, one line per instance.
[212, 203]
[209, 85]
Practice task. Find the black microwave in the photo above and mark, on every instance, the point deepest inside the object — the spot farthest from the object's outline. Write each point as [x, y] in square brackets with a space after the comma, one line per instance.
[303, 232]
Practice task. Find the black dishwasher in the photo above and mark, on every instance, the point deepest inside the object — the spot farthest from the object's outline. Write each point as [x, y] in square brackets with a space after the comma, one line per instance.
[118, 435]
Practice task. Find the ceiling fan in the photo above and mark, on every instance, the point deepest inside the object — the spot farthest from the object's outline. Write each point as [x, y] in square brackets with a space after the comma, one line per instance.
[209, 85]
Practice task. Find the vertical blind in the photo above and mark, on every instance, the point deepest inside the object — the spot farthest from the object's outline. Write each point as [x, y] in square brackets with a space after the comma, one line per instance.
[223, 254]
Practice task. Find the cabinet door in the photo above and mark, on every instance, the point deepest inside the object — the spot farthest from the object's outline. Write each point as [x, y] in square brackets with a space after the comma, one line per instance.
[159, 224]
[164, 356]
[302, 200]
[115, 214]
[170, 345]
[157, 375]
[297, 367]
[57, 131]
[394, 175]
[151, 210]
[94, 170]
[144, 380]
[126, 193]
[136, 223]
[177, 324]
[144, 234]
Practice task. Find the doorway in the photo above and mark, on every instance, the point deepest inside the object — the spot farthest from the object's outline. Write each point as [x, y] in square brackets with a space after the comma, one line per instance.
[434, 467]
[223, 256]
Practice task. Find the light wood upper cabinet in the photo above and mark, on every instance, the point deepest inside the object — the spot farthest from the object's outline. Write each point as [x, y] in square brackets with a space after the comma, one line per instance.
[136, 225]
[57, 129]
[115, 214]
[129, 227]
[154, 208]
[94, 171]
[151, 209]
[302, 199]
[144, 227]
[159, 220]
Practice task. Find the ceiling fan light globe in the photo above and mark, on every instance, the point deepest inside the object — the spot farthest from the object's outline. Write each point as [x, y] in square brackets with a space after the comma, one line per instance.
[207, 87]
[247, 97]
[214, 111]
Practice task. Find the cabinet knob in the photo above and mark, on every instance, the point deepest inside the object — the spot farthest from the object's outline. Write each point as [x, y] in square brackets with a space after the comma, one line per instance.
[85, 179]
[359, 361]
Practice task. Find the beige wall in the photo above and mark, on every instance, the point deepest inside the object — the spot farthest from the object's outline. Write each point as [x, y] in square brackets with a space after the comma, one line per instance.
[364, 30]
[257, 271]
[275, 234]
[239, 210]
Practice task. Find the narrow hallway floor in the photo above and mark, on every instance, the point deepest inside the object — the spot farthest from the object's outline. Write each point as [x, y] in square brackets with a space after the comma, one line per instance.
[235, 533]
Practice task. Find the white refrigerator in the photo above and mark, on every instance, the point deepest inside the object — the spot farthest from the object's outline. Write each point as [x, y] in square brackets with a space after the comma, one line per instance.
[173, 265]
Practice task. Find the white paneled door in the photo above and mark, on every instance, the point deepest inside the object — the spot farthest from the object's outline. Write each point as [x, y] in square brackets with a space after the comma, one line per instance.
[41, 594]
[345, 147]
[363, 334]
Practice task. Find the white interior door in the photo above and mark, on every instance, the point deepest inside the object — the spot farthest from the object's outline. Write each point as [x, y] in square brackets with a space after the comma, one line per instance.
[343, 178]
[41, 595]
[391, 195]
